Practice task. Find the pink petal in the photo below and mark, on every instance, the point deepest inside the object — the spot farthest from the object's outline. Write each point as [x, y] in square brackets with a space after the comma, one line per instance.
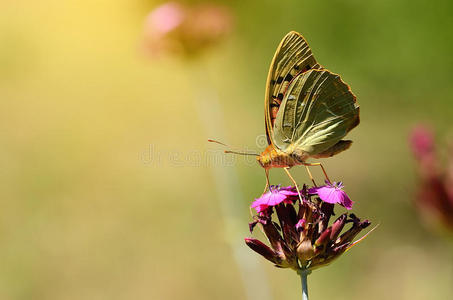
[273, 198]
[327, 194]
[422, 141]
[300, 224]
[347, 202]
[261, 208]
[288, 192]
[332, 194]
[165, 17]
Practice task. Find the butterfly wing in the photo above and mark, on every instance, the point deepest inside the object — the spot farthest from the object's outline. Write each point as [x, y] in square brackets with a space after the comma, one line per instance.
[293, 56]
[317, 111]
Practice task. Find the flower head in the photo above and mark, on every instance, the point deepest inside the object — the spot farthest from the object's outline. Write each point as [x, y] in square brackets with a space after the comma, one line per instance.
[333, 193]
[302, 239]
[185, 30]
[422, 141]
[273, 197]
[165, 18]
[434, 197]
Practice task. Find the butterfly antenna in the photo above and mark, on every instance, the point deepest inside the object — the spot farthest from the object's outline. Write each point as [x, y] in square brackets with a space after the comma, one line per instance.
[241, 153]
[230, 151]
[217, 142]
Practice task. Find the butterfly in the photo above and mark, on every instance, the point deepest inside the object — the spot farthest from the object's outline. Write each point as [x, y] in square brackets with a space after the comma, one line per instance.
[307, 109]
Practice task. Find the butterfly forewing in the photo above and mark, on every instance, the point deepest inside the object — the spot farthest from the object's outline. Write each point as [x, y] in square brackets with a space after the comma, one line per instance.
[293, 57]
[317, 111]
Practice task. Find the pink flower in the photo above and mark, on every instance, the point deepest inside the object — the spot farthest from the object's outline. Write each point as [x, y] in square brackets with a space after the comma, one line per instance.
[299, 235]
[275, 196]
[165, 18]
[185, 30]
[435, 189]
[422, 141]
[333, 193]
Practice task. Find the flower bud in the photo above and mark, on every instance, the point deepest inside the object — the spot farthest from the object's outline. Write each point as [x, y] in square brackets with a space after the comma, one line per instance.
[337, 227]
[324, 238]
[263, 249]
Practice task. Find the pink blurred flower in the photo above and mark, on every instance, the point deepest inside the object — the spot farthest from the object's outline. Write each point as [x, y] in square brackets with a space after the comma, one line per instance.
[333, 193]
[174, 28]
[422, 141]
[273, 197]
[434, 197]
[164, 18]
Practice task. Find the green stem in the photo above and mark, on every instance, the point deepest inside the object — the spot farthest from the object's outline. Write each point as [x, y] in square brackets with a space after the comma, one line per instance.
[228, 187]
[303, 281]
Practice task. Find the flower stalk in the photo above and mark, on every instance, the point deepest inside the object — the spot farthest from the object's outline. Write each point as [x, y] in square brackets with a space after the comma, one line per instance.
[304, 284]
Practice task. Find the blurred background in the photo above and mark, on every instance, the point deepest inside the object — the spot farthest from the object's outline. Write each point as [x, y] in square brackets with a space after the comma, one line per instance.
[109, 189]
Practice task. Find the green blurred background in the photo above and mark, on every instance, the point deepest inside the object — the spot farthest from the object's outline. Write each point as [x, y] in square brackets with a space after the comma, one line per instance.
[107, 186]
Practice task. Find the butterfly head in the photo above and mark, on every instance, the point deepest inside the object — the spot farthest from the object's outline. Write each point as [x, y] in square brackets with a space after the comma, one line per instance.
[264, 161]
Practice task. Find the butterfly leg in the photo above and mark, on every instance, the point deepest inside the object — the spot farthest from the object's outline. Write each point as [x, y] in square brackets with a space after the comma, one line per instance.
[311, 176]
[298, 191]
[294, 182]
[317, 164]
[267, 180]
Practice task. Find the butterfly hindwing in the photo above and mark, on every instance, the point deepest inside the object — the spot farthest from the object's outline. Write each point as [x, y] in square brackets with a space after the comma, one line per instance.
[293, 57]
[317, 111]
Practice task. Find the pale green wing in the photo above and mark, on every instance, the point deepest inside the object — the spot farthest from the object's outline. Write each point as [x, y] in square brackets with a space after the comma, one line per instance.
[318, 110]
[293, 56]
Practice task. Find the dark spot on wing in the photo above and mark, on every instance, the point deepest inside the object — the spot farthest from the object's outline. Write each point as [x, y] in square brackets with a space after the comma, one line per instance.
[288, 77]
[296, 67]
[307, 67]
[276, 102]
[279, 79]
[272, 81]
[280, 96]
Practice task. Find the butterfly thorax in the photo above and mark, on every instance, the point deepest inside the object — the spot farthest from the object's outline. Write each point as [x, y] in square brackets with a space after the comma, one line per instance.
[275, 158]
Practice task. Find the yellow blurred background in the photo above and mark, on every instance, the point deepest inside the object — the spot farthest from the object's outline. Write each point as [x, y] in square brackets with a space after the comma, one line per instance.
[108, 186]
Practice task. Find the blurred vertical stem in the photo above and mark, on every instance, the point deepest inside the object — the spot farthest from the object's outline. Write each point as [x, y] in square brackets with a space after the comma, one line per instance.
[303, 281]
[233, 211]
